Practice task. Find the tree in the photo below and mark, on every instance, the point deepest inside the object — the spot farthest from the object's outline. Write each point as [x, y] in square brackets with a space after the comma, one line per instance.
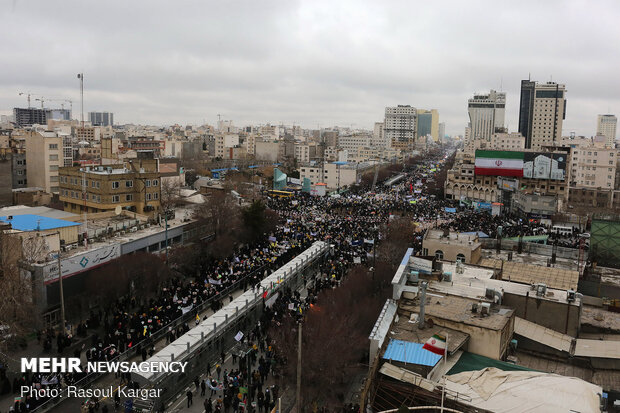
[190, 178]
[170, 193]
[221, 213]
[398, 237]
[34, 248]
[258, 221]
[16, 306]
[334, 337]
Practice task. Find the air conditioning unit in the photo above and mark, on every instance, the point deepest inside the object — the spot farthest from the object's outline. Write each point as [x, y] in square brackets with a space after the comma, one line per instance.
[133, 229]
[571, 296]
[474, 307]
[447, 276]
[485, 309]
[541, 289]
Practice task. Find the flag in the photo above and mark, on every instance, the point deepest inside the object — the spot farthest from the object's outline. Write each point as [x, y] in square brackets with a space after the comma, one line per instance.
[266, 293]
[499, 163]
[436, 344]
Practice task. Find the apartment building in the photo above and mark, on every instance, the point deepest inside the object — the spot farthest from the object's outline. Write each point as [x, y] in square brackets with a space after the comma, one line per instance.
[542, 110]
[101, 118]
[105, 188]
[606, 126]
[593, 167]
[428, 123]
[400, 126]
[486, 114]
[352, 142]
[45, 154]
[378, 137]
[334, 175]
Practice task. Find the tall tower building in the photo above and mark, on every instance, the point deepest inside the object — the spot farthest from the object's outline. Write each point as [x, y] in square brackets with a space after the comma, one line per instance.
[400, 126]
[606, 126]
[101, 118]
[428, 123]
[542, 109]
[486, 114]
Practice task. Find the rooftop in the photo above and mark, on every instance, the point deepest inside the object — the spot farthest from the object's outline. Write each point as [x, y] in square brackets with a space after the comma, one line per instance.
[458, 309]
[410, 353]
[559, 278]
[29, 222]
[39, 210]
[452, 238]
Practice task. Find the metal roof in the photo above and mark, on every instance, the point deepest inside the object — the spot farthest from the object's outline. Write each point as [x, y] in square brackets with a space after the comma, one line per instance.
[29, 222]
[597, 348]
[408, 352]
[543, 335]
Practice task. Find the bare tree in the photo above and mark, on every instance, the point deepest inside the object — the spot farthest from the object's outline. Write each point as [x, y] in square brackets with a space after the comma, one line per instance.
[16, 307]
[34, 248]
[170, 194]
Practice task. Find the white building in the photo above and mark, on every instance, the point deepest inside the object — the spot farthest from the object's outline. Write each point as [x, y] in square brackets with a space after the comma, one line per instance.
[351, 142]
[442, 131]
[378, 137]
[486, 114]
[400, 126]
[606, 126]
[593, 167]
[541, 113]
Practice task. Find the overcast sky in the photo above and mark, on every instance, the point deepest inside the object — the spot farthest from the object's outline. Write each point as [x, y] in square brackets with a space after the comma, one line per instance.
[308, 62]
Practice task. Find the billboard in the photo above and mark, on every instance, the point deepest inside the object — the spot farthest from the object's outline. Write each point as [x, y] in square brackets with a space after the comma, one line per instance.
[507, 184]
[81, 262]
[544, 165]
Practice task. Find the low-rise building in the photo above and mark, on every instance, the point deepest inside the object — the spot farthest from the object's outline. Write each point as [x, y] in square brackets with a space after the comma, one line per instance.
[445, 245]
[106, 188]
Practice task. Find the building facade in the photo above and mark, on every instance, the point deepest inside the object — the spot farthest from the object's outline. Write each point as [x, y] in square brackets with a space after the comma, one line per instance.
[542, 109]
[101, 118]
[104, 188]
[593, 167]
[400, 126]
[606, 126]
[44, 156]
[30, 116]
[486, 114]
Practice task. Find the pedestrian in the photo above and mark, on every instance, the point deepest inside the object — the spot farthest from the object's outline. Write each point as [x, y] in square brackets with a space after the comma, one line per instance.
[208, 404]
[189, 398]
[218, 369]
[203, 388]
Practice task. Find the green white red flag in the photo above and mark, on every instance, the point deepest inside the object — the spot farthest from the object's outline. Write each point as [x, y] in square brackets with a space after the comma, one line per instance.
[436, 344]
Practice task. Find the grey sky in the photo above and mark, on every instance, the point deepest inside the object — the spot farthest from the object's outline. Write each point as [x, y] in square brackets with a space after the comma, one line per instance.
[309, 62]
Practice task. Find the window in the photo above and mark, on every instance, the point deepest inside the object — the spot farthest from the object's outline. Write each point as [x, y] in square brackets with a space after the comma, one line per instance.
[20, 162]
[115, 185]
[147, 183]
[53, 146]
[53, 168]
[460, 258]
[53, 157]
[156, 195]
[116, 198]
[20, 172]
[129, 197]
[155, 182]
[148, 197]
[439, 254]
[129, 184]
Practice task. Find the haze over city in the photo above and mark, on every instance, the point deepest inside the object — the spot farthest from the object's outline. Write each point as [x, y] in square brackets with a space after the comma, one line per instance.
[308, 63]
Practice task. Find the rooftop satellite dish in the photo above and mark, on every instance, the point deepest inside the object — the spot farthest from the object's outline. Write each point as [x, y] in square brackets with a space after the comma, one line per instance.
[117, 210]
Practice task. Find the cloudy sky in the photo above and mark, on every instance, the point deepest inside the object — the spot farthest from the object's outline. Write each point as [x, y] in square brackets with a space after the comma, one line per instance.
[308, 62]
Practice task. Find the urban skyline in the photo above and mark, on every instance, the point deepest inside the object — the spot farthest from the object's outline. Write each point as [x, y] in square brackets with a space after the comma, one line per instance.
[307, 63]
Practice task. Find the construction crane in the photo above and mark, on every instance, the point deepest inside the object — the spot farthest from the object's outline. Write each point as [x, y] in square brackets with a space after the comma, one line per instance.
[62, 105]
[42, 100]
[28, 94]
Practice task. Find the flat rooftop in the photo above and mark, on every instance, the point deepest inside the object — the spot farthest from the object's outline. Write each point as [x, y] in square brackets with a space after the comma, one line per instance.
[29, 222]
[39, 210]
[558, 278]
[453, 238]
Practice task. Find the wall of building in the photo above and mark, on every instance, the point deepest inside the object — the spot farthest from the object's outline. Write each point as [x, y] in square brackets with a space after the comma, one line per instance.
[558, 316]
[482, 341]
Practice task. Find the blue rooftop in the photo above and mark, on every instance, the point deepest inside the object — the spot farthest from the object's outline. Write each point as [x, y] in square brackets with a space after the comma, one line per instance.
[30, 222]
[412, 353]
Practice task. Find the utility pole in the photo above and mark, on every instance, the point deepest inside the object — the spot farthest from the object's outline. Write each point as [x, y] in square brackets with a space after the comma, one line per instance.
[81, 77]
[166, 232]
[62, 295]
[298, 394]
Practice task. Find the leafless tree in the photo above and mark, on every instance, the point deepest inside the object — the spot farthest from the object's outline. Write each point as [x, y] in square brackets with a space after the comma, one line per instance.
[34, 248]
[16, 306]
[170, 194]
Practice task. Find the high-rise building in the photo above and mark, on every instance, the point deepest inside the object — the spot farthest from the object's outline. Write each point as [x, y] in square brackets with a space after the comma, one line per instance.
[30, 116]
[428, 123]
[606, 126]
[486, 114]
[442, 131]
[101, 118]
[58, 114]
[542, 109]
[400, 126]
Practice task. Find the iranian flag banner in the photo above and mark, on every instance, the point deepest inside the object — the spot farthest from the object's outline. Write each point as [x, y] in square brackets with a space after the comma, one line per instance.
[436, 344]
[499, 163]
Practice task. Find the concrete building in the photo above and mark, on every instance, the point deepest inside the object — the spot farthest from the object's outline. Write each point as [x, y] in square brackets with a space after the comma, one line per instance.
[44, 155]
[267, 151]
[19, 170]
[334, 175]
[31, 196]
[400, 126]
[351, 142]
[101, 118]
[378, 136]
[442, 131]
[486, 114]
[499, 141]
[606, 126]
[428, 124]
[135, 188]
[448, 246]
[542, 109]
[593, 167]
[25, 117]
